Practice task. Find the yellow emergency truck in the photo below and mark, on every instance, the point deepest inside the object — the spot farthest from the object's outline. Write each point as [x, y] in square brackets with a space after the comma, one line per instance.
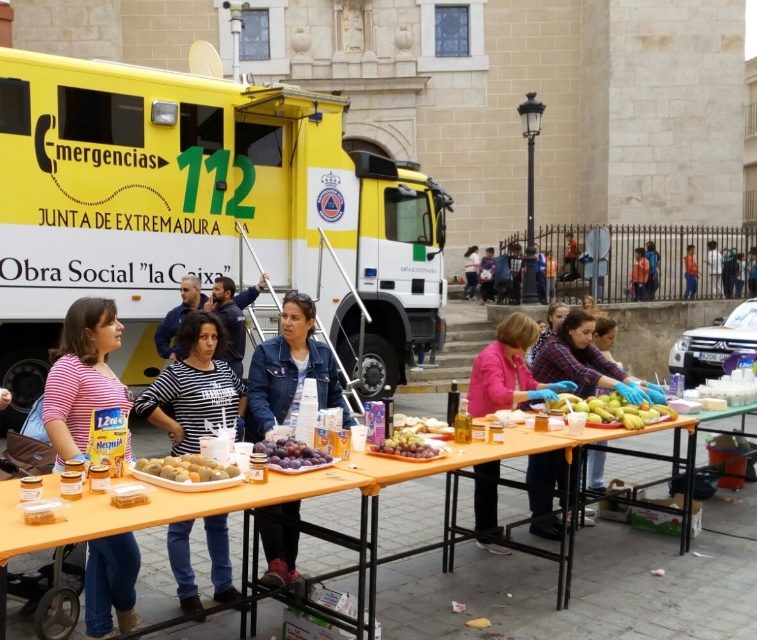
[118, 180]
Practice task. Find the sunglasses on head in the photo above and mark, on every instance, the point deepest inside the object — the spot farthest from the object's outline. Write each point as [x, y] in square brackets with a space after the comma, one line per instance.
[300, 297]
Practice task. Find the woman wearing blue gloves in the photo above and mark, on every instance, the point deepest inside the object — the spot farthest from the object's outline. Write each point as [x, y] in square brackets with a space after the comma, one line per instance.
[500, 379]
[571, 355]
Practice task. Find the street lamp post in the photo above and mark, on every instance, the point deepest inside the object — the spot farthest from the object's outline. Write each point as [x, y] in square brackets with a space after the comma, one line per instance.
[530, 117]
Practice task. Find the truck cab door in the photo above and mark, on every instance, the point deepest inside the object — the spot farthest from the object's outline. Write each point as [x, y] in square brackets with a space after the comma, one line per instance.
[409, 265]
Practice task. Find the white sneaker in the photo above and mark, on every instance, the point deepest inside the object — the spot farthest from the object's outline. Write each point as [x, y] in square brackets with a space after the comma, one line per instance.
[587, 521]
[416, 369]
[493, 547]
[590, 512]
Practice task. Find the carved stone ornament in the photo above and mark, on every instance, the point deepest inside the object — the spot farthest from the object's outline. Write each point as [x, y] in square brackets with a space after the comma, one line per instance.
[403, 39]
[353, 26]
[301, 42]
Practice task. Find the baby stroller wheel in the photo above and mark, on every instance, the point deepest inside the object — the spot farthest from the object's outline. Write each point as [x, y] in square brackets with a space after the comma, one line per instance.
[57, 614]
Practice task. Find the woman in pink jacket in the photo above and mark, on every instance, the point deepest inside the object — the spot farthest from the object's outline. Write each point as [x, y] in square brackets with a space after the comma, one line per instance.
[500, 379]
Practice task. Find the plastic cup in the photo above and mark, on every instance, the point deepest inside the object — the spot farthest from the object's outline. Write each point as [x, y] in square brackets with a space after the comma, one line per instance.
[206, 446]
[359, 436]
[220, 450]
[243, 448]
[576, 423]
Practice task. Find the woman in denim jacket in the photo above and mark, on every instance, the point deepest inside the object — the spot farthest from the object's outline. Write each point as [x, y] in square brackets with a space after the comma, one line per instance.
[274, 389]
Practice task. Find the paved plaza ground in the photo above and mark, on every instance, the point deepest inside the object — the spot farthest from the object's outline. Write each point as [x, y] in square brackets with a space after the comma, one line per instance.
[705, 595]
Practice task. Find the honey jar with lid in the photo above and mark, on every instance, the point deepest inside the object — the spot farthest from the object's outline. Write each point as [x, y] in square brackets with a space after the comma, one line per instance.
[258, 468]
[31, 489]
[99, 478]
[496, 434]
[541, 422]
[71, 485]
[77, 465]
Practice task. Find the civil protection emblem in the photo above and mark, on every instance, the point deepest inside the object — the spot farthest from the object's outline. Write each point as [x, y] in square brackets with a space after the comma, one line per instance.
[330, 201]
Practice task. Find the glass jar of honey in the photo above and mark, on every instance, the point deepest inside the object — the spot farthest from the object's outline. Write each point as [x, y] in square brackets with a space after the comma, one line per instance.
[258, 468]
[77, 465]
[496, 434]
[478, 432]
[31, 489]
[71, 485]
[99, 478]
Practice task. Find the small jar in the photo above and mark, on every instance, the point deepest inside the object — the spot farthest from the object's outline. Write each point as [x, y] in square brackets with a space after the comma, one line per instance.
[541, 422]
[77, 465]
[258, 468]
[99, 478]
[71, 485]
[478, 432]
[496, 434]
[31, 489]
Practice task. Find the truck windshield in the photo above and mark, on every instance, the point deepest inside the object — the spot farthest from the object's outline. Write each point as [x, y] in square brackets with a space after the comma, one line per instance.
[743, 317]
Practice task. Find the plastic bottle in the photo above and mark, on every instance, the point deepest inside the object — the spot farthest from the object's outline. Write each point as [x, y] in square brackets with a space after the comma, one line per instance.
[463, 425]
[389, 411]
[453, 403]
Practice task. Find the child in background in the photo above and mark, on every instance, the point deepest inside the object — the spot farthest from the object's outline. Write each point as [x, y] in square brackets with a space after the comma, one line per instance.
[691, 273]
[551, 273]
[742, 274]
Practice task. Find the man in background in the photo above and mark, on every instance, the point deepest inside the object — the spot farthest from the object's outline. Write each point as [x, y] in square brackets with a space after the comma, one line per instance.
[191, 300]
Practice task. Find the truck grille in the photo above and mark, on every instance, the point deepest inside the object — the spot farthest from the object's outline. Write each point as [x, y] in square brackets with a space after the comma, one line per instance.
[712, 344]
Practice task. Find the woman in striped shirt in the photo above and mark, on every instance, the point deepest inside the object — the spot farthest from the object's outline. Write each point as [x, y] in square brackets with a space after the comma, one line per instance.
[198, 388]
[80, 382]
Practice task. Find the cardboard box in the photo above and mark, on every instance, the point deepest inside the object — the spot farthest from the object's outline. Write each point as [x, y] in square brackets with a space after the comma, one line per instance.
[667, 523]
[300, 626]
[613, 509]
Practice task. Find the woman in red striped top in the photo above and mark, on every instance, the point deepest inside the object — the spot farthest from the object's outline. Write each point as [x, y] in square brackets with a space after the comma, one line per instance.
[80, 382]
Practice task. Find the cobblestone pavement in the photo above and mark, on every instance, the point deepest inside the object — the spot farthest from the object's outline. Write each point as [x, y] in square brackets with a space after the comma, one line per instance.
[704, 595]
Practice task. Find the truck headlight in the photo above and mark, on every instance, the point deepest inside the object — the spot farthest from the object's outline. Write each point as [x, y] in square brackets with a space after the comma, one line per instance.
[682, 344]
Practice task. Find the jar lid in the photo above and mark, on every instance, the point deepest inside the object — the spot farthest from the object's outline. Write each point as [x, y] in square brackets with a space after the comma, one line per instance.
[71, 475]
[31, 480]
[74, 463]
[99, 468]
[497, 427]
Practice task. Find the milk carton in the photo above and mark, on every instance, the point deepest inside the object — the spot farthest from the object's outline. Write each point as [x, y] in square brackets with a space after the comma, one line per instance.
[375, 419]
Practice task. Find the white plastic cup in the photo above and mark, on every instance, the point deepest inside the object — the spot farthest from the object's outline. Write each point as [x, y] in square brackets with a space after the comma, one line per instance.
[206, 446]
[576, 423]
[359, 436]
[220, 450]
[243, 448]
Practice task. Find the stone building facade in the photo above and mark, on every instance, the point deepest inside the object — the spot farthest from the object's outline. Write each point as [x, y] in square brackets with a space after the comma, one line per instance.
[644, 119]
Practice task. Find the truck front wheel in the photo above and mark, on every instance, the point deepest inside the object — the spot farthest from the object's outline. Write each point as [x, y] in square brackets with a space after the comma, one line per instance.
[379, 367]
[23, 372]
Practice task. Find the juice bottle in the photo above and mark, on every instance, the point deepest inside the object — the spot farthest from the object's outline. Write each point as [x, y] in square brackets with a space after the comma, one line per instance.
[463, 425]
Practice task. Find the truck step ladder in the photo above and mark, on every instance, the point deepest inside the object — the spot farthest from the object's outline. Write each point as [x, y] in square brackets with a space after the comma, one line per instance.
[257, 312]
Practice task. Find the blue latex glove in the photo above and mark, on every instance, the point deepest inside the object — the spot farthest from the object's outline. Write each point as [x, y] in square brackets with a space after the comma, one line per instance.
[564, 386]
[543, 394]
[83, 457]
[240, 428]
[634, 395]
[656, 394]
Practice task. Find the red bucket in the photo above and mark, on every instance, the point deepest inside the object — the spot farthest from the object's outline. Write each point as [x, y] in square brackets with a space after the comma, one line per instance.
[729, 461]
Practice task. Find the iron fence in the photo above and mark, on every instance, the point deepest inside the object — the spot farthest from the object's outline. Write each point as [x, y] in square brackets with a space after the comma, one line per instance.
[612, 263]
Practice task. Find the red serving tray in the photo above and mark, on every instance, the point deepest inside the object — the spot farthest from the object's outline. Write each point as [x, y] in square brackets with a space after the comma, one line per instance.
[393, 457]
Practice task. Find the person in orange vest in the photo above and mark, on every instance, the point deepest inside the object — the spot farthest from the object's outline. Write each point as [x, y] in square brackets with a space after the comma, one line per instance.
[551, 274]
[640, 274]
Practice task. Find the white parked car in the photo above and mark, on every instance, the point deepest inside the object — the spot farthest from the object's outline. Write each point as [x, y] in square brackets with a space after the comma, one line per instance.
[700, 353]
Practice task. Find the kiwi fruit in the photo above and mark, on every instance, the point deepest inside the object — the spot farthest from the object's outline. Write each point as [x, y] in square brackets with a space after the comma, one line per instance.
[232, 471]
[141, 463]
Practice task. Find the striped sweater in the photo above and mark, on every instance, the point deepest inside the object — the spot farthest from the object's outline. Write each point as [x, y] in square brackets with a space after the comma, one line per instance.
[195, 396]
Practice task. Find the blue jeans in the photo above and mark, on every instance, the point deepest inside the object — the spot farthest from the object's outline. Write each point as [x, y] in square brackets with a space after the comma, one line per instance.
[109, 580]
[692, 283]
[596, 467]
[217, 537]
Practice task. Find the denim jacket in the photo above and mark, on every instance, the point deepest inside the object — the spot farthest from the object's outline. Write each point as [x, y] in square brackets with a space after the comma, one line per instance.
[272, 383]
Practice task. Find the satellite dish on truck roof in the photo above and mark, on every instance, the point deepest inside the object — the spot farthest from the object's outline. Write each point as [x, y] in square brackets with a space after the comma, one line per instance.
[204, 60]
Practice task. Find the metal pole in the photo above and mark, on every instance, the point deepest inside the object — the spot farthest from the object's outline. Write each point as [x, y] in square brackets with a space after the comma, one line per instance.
[529, 281]
[236, 30]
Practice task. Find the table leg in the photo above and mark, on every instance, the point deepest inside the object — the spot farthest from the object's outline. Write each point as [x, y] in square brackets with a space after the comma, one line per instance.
[691, 462]
[676, 451]
[446, 536]
[255, 561]
[374, 568]
[245, 571]
[361, 573]
[3, 599]
[571, 502]
[453, 522]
